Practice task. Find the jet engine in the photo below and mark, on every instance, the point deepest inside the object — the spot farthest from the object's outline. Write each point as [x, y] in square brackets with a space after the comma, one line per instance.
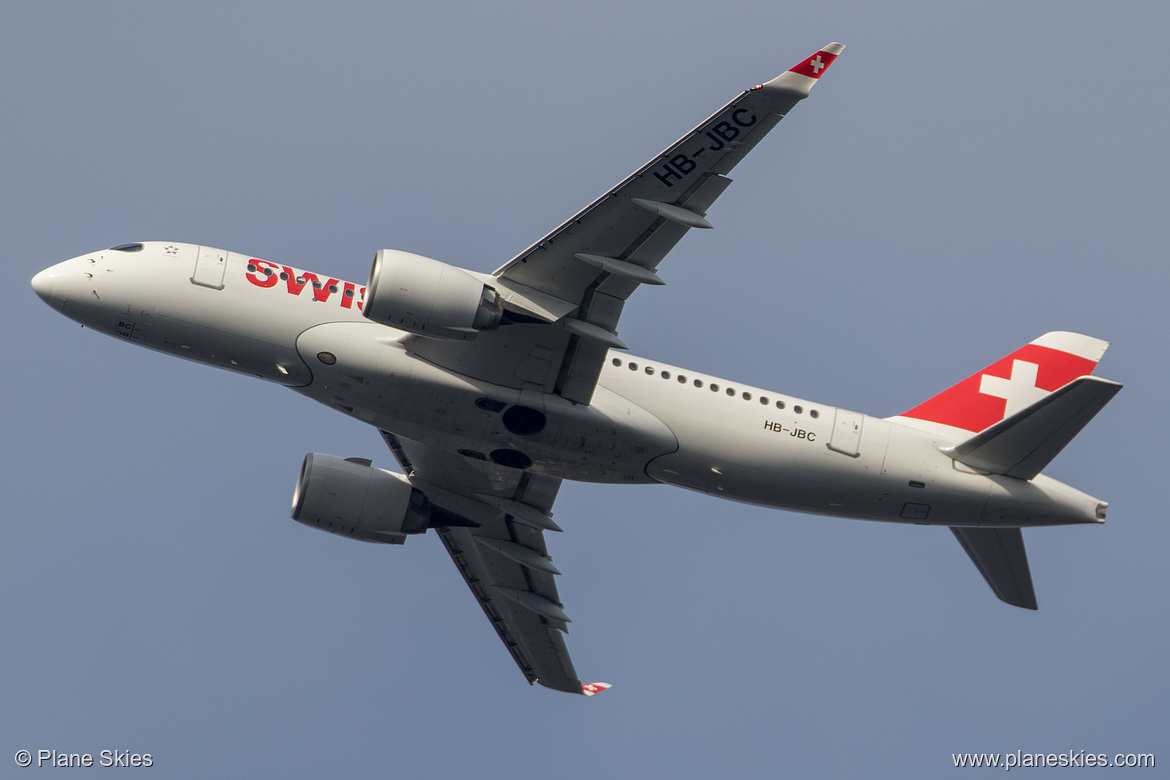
[350, 498]
[417, 294]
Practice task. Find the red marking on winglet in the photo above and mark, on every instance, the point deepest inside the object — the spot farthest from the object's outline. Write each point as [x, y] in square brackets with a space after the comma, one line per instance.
[590, 689]
[815, 65]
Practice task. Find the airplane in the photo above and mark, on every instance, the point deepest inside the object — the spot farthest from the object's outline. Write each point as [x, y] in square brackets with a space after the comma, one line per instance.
[491, 389]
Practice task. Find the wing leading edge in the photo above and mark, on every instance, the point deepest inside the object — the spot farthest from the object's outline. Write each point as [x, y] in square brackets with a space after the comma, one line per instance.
[566, 292]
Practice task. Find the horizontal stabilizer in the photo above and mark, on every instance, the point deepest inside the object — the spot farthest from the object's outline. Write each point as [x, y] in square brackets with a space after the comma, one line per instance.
[999, 555]
[1023, 444]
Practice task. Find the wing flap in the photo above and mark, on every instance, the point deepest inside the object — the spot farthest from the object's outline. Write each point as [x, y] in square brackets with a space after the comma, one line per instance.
[1023, 444]
[999, 555]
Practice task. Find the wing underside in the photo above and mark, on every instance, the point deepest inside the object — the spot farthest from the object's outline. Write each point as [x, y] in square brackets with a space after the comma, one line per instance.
[496, 539]
[536, 641]
[565, 293]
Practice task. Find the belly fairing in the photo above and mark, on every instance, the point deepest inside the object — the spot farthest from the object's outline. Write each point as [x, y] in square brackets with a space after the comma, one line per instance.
[367, 371]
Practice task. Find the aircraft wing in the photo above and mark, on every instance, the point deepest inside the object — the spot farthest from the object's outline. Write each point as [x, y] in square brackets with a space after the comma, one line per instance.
[498, 516]
[565, 293]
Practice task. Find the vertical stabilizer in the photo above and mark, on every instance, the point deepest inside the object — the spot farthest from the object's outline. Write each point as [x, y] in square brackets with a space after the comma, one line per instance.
[1008, 385]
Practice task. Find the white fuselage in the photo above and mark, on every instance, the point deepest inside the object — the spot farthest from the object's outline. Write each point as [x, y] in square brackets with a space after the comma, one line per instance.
[647, 421]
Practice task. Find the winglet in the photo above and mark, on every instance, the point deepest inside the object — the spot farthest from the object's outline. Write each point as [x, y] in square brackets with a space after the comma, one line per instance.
[818, 63]
[591, 689]
[801, 78]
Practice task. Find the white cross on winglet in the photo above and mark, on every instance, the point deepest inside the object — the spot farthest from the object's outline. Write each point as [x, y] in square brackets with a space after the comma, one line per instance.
[817, 64]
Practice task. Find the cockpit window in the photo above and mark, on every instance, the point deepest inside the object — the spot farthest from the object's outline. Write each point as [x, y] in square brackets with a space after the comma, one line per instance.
[126, 248]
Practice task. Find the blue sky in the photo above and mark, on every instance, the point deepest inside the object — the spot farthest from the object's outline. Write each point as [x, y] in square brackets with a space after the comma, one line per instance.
[963, 180]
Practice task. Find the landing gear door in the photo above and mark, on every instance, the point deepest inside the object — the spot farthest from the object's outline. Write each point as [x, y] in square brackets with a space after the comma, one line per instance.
[846, 438]
[210, 267]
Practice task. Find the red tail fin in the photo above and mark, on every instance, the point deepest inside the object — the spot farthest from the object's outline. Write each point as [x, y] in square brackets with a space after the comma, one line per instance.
[1012, 383]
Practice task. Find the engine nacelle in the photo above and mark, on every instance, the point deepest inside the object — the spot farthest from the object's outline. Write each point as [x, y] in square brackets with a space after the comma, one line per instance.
[351, 498]
[417, 294]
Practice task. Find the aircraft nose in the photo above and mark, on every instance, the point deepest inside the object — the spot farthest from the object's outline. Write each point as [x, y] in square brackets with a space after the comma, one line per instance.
[42, 283]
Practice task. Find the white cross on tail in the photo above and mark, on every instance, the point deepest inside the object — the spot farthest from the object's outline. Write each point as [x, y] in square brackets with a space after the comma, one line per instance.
[1019, 390]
